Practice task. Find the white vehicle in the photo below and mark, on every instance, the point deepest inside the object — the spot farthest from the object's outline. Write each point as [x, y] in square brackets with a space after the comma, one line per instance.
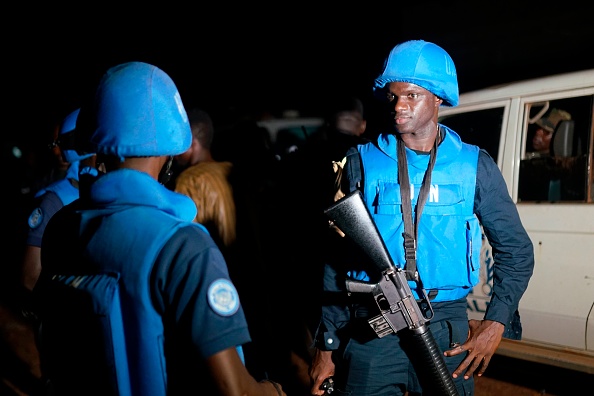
[288, 134]
[295, 125]
[554, 194]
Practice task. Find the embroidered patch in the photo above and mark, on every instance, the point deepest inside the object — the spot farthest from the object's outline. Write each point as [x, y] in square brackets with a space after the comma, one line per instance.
[36, 218]
[223, 297]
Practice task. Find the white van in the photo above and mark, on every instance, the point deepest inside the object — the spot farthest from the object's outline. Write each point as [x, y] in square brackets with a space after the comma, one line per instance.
[288, 134]
[554, 193]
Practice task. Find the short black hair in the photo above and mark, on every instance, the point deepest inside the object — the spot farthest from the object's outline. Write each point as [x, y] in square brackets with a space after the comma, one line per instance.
[202, 126]
[347, 103]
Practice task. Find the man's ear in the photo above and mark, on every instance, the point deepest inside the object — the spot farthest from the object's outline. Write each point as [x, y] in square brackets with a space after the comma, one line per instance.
[196, 146]
[438, 101]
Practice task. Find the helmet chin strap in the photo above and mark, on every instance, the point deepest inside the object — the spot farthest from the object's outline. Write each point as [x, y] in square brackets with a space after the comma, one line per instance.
[166, 171]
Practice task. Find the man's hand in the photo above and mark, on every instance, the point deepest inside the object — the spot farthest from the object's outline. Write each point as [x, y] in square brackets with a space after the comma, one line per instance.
[483, 339]
[322, 367]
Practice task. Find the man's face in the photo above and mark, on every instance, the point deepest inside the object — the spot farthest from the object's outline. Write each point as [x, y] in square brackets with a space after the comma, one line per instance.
[413, 107]
[542, 140]
[350, 123]
[59, 161]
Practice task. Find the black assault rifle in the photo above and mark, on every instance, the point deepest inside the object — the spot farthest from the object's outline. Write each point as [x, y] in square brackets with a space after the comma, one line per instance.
[392, 294]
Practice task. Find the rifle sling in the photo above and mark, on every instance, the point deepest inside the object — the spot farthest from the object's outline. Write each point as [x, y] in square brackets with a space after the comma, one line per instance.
[410, 233]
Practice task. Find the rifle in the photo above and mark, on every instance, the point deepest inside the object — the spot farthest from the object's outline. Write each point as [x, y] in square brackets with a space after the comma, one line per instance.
[398, 308]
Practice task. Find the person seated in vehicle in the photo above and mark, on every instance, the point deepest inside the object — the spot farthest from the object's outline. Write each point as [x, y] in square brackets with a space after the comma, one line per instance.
[545, 127]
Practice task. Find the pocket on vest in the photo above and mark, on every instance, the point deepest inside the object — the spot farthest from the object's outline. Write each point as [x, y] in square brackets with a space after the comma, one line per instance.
[81, 336]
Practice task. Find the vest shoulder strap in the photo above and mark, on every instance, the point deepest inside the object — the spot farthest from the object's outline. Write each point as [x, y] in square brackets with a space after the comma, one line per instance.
[354, 171]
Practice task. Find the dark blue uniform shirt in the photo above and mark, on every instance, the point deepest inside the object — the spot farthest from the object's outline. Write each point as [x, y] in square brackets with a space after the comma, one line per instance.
[512, 250]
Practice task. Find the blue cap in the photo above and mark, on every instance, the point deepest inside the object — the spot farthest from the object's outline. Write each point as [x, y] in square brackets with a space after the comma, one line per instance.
[66, 139]
[424, 64]
[139, 113]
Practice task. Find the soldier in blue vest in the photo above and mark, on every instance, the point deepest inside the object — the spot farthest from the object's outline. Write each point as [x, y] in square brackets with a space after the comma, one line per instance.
[461, 189]
[52, 198]
[133, 297]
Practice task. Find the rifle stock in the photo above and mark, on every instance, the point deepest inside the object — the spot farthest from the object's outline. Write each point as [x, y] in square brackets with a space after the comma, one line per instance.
[392, 294]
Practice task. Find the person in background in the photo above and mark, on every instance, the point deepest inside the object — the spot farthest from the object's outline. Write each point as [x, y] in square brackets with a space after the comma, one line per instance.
[225, 208]
[307, 170]
[344, 127]
[53, 197]
[206, 181]
[60, 165]
[134, 297]
[448, 189]
[545, 126]
[18, 328]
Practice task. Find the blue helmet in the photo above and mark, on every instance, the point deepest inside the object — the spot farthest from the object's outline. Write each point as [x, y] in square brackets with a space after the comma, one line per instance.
[139, 113]
[66, 140]
[424, 64]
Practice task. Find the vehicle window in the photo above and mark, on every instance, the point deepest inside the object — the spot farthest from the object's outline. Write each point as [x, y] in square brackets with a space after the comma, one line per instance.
[293, 138]
[481, 128]
[558, 145]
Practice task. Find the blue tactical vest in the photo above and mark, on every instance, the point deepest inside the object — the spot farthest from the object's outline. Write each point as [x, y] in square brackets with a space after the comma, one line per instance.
[449, 233]
[110, 298]
[63, 188]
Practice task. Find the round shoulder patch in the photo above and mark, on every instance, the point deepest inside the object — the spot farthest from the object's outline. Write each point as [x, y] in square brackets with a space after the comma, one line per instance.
[36, 218]
[223, 297]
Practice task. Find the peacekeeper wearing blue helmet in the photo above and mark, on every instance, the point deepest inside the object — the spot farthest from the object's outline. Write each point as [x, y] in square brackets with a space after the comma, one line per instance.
[134, 298]
[428, 194]
[53, 197]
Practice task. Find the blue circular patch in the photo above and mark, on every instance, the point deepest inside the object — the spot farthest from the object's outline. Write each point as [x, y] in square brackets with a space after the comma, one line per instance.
[223, 297]
[36, 218]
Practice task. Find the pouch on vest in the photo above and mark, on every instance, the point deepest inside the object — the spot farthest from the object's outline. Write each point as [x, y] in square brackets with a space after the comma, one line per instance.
[81, 337]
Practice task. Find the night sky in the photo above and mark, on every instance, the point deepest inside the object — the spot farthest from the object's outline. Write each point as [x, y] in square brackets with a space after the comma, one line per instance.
[256, 58]
[276, 57]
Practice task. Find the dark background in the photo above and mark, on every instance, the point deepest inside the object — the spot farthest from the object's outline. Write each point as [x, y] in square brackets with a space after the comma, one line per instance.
[274, 57]
[285, 55]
